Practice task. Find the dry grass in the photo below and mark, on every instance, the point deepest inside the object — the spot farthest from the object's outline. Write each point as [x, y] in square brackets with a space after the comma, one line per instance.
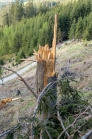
[80, 57]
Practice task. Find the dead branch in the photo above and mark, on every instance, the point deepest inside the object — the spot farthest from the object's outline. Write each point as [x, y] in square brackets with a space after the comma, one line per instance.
[32, 131]
[48, 134]
[41, 135]
[8, 131]
[87, 117]
[45, 90]
[86, 113]
[80, 134]
[22, 79]
[87, 135]
[72, 125]
[12, 129]
[61, 122]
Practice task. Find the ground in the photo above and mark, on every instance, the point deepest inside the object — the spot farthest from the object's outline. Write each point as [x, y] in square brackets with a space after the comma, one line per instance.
[73, 59]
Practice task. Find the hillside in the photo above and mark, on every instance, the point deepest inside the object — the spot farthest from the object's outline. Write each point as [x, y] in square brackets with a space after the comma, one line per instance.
[73, 60]
[76, 58]
[22, 30]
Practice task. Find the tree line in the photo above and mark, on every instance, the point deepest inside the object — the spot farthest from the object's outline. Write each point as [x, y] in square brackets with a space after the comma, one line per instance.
[18, 10]
[22, 33]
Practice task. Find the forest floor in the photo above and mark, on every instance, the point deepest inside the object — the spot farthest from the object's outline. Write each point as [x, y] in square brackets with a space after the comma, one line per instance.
[73, 59]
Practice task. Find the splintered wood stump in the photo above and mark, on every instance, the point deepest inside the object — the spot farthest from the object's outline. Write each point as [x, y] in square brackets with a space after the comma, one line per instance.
[45, 58]
[45, 72]
[46, 61]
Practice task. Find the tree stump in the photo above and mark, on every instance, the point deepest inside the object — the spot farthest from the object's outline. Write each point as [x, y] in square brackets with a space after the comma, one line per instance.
[45, 72]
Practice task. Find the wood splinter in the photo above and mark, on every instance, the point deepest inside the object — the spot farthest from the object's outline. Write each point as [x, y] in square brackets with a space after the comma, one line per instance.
[4, 102]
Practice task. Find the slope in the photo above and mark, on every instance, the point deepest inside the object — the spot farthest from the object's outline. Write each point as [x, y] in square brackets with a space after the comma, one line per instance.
[73, 60]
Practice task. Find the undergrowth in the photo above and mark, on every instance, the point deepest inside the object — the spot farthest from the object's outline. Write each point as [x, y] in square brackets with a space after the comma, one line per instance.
[72, 110]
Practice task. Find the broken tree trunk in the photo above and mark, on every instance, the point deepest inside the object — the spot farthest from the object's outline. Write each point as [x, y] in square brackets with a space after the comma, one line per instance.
[45, 71]
[46, 62]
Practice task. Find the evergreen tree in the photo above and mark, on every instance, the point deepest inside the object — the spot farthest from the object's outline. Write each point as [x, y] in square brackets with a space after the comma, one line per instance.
[19, 10]
[29, 9]
[12, 14]
[43, 34]
[16, 11]
[79, 28]
[6, 19]
[86, 35]
[72, 30]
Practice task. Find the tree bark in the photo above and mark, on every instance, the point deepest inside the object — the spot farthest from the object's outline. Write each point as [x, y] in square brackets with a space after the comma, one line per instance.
[40, 76]
[40, 71]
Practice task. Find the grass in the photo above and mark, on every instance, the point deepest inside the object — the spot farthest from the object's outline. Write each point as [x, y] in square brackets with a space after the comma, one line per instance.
[76, 50]
[78, 54]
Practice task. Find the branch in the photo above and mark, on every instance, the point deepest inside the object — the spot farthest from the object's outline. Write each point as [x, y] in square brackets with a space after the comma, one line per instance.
[8, 131]
[72, 125]
[32, 131]
[87, 135]
[77, 130]
[22, 81]
[48, 134]
[12, 129]
[59, 118]
[45, 90]
[41, 135]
